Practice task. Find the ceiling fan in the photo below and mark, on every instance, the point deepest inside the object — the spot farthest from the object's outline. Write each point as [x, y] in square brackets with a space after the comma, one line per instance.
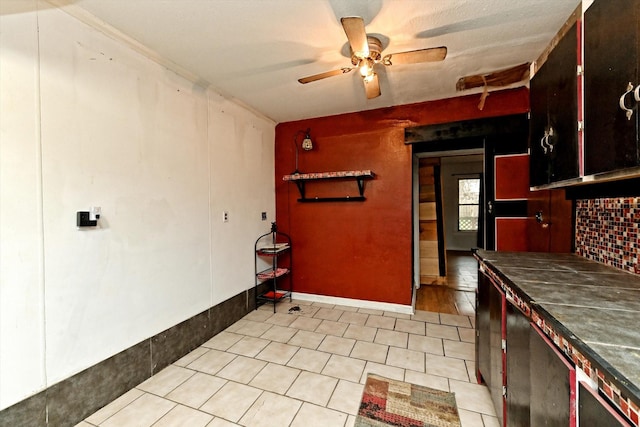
[366, 52]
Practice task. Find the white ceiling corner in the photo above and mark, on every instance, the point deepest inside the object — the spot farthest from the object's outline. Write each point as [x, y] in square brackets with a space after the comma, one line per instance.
[253, 51]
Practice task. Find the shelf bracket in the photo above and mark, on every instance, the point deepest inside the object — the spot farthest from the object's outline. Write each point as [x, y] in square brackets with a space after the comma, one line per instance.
[301, 188]
[360, 181]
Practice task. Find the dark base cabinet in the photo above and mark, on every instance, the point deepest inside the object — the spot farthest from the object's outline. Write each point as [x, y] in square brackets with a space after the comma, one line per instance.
[553, 382]
[496, 317]
[490, 326]
[533, 381]
[483, 353]
[518, 359]
[593, 411]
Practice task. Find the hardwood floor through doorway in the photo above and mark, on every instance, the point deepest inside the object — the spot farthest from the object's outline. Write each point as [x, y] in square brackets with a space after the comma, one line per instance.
[457, 294]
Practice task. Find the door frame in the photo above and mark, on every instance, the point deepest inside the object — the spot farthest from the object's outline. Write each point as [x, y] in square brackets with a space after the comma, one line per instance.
[416, 205]
[478, 136]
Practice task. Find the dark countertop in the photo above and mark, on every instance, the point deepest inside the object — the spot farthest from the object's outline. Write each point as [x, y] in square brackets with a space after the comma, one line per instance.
[598, 306]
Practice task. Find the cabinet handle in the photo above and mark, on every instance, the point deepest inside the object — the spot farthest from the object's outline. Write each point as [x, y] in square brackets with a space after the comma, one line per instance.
[544, 142]
[636, 94]
[549, 135]
[628, 111]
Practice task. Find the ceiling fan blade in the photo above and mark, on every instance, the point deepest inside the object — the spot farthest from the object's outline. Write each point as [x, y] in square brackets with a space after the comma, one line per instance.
[324, 75]
[372, 87]
[431, 54]
[356, 34]
[503, 77]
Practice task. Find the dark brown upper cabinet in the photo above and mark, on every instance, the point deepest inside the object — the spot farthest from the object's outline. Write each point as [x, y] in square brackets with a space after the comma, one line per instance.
[611, 53]
[553, 128]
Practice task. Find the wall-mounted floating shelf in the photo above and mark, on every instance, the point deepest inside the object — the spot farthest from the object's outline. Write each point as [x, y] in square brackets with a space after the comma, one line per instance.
[357, 175]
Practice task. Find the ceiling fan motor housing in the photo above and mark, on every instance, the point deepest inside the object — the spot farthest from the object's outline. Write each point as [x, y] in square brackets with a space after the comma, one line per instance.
[375, 50]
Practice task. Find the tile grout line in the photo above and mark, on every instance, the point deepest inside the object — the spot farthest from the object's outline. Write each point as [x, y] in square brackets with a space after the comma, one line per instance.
[355, 339]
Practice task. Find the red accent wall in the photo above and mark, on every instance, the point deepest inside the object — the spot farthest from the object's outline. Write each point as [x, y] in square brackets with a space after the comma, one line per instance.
[363, 250]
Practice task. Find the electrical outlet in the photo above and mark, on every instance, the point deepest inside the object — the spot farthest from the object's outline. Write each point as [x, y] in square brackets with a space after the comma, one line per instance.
[225, 216]
[264, 216]
[94, 213]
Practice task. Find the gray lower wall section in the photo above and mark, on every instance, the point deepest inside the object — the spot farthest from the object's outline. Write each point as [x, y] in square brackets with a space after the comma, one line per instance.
[72, 400]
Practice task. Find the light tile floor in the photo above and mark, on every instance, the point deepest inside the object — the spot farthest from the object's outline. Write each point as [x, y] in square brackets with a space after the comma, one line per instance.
[305, 368]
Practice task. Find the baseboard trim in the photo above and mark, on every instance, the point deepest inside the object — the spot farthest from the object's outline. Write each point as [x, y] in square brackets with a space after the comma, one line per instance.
[373, 305]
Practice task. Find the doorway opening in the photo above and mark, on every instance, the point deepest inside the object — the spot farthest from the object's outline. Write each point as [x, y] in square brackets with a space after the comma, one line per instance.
[490, 139]
[447, 224]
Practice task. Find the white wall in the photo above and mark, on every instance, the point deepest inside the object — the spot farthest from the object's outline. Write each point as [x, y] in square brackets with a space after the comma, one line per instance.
[452, 169]
[86, 121]
[21, 258]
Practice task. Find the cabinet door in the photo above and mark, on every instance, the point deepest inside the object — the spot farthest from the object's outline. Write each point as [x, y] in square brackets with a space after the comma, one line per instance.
[594, 411]
[491, 328]
[553, 382]
[483, 353]
[511, 191]
[506, 188]
[550, 225]
[540, 167]
[497, 335]
[611, 31]
[518, 383]
[554, 113]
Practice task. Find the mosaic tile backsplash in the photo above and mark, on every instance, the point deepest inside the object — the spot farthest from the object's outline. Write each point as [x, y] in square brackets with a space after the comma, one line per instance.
[607, 231]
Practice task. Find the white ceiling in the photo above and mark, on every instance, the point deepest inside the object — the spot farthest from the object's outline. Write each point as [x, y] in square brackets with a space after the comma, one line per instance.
[253, 51]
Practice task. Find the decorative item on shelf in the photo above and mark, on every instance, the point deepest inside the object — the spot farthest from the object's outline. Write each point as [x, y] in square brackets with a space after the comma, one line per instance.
[307, 144]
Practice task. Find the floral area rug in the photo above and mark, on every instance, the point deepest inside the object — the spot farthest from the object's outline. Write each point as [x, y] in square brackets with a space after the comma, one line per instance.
[387, 402]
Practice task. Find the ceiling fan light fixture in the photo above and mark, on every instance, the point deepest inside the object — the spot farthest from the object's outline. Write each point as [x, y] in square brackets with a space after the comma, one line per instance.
[368, 78]
[366, 68]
